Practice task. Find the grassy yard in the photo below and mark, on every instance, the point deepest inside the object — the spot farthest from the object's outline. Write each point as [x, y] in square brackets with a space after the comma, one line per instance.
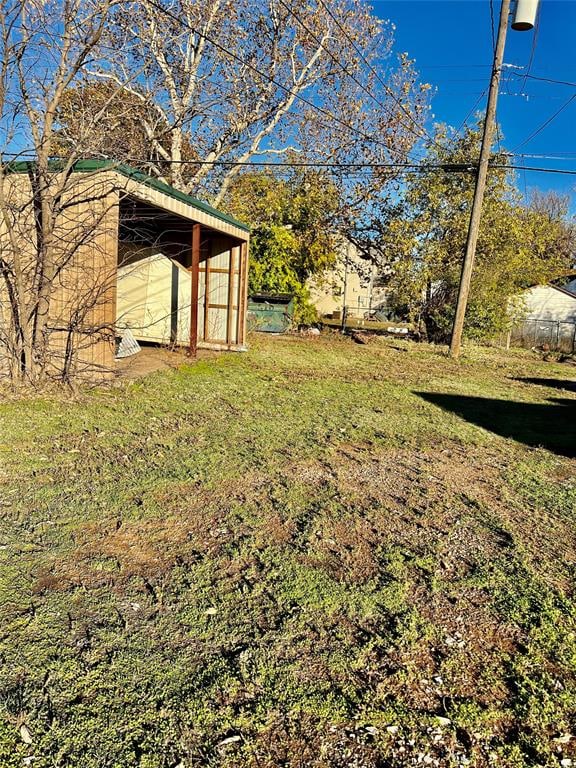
[316, 554]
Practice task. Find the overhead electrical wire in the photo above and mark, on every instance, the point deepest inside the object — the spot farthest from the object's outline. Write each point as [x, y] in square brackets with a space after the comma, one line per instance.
[543, 156]
[493, 32]
[468, 167]
[422, 132]
[546, 79]
[449, 66]
[397, 166]
[525, 182]
[471, 111]
[532, 48]
[546, 123]
[561, 171]
[492, 27]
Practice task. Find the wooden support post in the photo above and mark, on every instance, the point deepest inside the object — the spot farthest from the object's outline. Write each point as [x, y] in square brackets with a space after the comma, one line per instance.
[242, 293]
[207, 290]
[194, 297]
[239, 285]
[231, 267]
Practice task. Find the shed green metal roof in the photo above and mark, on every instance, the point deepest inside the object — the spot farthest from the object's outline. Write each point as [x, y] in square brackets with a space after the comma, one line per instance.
[128, 172]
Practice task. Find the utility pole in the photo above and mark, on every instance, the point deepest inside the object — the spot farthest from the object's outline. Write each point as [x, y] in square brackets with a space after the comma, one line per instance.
[482, 174]
[525, 15]
[371, 289]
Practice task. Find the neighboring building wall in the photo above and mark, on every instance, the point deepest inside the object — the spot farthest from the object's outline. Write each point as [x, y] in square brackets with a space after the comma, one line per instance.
[327, 290]
[550, 319]
[544, 302]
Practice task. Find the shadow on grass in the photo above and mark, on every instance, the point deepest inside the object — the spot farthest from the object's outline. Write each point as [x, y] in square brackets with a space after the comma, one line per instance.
[550, 425]
[564, 384]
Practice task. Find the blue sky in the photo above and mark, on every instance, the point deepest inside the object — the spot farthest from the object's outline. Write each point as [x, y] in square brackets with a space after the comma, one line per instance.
[451, 41]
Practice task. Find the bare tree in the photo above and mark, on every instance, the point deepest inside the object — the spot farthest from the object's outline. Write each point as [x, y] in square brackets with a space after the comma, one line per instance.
[193, 90]
[226, 81]
[46, 216]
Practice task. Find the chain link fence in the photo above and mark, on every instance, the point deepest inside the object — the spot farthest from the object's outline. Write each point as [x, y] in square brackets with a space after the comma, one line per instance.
[558, 335]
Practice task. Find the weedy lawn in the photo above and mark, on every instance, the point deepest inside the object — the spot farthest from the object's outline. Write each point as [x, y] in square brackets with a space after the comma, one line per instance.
[313, 555]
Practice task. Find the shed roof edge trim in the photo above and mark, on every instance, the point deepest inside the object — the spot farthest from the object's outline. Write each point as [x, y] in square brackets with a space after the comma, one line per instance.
[128, 172]
[562, 290]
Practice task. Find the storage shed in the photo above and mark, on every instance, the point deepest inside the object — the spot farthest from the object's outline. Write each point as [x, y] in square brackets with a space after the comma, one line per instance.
[150, 258]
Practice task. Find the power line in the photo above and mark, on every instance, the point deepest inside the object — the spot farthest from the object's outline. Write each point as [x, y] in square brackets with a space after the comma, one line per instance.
[561, 171]
[316, 164]
[469, 167]
[27, 155]
[452, 66]
[525, 183]
[546, 122]
[530, 96]
[492, 27]
[471, 111]
[533, 47]
[546, 79]
[542, 156]
[440, 81]
[498, 137]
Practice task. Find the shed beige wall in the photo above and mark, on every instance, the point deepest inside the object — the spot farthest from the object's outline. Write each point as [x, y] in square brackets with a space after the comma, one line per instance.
[82, 304]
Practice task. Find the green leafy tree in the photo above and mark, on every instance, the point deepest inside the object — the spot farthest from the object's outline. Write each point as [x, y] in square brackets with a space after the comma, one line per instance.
[273, 259]
[293, 231]
[519, 245]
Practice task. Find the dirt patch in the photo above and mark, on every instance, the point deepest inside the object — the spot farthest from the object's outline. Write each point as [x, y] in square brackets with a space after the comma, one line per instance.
[153, 358]
[456, 503]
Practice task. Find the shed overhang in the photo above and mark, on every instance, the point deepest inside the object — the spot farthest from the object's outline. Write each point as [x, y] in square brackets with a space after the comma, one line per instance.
[160, 199]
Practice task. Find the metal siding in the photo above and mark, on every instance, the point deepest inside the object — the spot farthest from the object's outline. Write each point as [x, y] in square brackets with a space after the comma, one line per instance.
[543, 302]
[167, 203]
[94, 208]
